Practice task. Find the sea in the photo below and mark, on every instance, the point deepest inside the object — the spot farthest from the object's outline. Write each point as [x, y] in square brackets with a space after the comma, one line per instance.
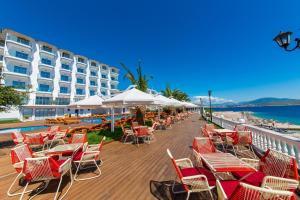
[290, 114]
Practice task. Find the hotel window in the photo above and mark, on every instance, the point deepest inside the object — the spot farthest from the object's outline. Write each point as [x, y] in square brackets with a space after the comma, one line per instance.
[18, 85]
[113, 87]
[1, 57]
[113, 70]
[43, 100]
[93, 73]
[79, 91]
[93, 64]
[44, 88]
[92, 92]
[23, 41]
[46, 61]
[62, 101]
[103, 93]
[113, 78]
[65, 66]
[20, 70]
[63, 90]
[103, 85]
[45, 74]
[65, 55]
[80, 60]
[92, 82]
[104, 76]
[64, 78]
[80, 80]
[104, 67]
[46, 48]
[22, 55]
[2, 43]
[80, 70]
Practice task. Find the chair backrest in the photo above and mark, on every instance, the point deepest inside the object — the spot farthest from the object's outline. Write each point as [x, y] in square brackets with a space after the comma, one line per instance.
[240, 127]
[78, 138]
[20, 153]
[249, 192]
[275, 163]
[177, 169]
[203, 145]
[34, 139]
[41, 168]
[17, 137]
[243, 138]
[204, 132]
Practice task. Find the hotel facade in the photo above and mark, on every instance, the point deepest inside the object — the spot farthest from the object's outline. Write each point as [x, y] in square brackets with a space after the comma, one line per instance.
[53, 77]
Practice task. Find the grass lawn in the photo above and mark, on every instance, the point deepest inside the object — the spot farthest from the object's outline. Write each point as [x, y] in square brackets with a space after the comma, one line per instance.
[7, 121]
[95, 137]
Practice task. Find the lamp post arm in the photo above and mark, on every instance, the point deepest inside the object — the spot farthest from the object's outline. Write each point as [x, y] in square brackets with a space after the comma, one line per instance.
[297, 40]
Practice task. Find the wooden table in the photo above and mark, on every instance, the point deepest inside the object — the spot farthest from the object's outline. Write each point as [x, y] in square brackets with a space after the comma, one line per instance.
[225, 162]
[64, 149]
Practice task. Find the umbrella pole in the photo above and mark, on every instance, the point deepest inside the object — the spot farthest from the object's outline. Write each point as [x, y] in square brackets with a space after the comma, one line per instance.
[158, 112]
[112, 121]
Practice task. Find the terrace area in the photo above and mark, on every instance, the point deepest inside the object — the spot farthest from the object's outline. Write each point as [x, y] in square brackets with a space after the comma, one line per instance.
[128, 172]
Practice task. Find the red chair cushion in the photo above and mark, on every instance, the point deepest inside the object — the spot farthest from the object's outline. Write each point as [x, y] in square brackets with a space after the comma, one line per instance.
[77, 155]
[254, 179]
[229, 187]
[197, 171]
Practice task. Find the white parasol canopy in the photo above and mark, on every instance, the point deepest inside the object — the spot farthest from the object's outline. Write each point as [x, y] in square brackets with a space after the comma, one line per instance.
[132, 97]
[92, 101]
[163, 101]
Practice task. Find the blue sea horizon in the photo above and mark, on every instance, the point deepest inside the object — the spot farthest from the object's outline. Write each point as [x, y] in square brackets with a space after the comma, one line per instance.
[283, 114]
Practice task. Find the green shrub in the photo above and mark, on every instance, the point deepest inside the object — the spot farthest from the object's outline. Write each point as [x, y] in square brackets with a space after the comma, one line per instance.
[148, 123]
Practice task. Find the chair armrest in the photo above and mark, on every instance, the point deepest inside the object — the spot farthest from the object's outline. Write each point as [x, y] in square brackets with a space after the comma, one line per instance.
[93, 147]
[253, 162]
[184, 162]
[196, 182]
[63, 168]
[220, 191]
[276, 183]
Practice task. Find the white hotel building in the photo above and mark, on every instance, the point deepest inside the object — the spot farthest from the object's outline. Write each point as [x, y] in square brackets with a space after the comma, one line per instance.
[53, 77]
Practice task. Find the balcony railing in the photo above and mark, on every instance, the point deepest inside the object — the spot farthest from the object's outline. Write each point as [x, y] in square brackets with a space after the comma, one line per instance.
[264, 138]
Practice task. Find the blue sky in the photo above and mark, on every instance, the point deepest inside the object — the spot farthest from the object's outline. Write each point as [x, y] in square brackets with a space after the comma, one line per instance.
[195, 45]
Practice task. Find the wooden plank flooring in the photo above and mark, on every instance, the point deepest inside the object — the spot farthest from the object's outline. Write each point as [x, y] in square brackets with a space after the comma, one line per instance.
[129, 172]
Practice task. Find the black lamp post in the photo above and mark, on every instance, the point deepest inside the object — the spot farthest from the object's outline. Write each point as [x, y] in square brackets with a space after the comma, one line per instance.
[283, 39]
[209, 96]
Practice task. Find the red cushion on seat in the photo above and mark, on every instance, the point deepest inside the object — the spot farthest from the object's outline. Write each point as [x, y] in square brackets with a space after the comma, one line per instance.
[192, 171]
[229, 187]
[77, 156]
[254, 179]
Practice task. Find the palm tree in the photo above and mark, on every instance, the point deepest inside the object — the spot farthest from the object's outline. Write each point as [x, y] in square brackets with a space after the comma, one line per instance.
[176, 94]
[141, 82]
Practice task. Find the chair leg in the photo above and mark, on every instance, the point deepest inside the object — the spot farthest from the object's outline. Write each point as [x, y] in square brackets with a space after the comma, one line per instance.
[188, 195]
[82, 179]
[71, 179]
[211, 195]
[24, 191]
[9, 193]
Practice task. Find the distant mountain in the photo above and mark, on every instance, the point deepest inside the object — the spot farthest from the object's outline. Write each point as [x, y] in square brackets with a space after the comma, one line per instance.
[268, 101]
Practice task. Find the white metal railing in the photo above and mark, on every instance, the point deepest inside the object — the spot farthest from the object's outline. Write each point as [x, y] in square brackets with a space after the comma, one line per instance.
[265, 138]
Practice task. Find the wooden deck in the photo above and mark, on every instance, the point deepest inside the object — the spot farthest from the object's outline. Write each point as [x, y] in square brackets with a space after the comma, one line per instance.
[128, 172]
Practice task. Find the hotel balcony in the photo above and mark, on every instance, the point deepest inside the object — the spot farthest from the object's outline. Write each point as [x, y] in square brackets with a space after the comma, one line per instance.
[46, 63]
[47, 50]
[94, 65]
[66, 68]
[82, 61]
[64, 78]
[94, 74]
[114, 72]
[18, 41]
[66, 56]
[19, 83]
[18, 56]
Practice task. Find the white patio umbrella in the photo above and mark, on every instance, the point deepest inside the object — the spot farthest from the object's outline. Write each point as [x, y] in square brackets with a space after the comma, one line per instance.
[91, 102]
[163, 101]
[132, 97]
[177, 103]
